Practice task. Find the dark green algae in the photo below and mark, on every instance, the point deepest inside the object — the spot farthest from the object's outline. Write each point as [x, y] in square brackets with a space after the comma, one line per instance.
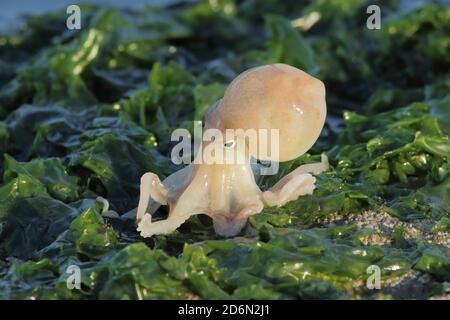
[87, 113]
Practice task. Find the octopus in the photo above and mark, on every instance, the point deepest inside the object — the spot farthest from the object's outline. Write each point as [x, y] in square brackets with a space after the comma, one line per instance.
[275, 96]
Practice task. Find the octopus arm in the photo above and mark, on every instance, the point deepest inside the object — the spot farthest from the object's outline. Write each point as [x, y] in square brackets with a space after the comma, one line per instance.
[154, 193]
[151, 190]
[297, 183]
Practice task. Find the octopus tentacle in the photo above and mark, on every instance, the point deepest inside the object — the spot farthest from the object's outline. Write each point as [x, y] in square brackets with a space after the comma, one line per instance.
[151, 189]
[297, 183]
[289, 189]
[148, 228]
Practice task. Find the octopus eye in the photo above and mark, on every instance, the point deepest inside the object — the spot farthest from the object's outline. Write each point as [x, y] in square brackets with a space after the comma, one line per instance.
[229, 144]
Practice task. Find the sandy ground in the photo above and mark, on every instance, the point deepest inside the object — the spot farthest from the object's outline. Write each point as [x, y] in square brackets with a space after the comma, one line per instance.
[384, 225]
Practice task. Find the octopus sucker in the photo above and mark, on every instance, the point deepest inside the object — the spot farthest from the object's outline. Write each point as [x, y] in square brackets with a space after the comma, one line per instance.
[269, 97]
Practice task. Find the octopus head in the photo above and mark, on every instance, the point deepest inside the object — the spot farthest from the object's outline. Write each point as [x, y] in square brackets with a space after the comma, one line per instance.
[278, 97]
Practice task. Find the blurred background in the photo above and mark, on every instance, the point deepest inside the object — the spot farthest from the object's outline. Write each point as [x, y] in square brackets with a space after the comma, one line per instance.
[11, 12]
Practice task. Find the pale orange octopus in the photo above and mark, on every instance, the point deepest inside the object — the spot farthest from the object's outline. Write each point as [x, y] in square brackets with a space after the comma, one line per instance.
[274, 96]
